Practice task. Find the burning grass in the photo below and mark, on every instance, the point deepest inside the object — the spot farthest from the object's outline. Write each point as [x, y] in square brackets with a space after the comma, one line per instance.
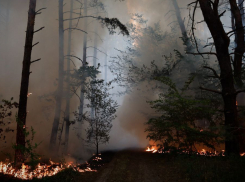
[47, 170]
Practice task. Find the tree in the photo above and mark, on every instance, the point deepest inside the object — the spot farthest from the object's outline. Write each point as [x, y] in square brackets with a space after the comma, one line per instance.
[21, 118]
[68, 92]
[177, 123]
[185, 37]
[97, 92]
[59, 92]
[221, 41]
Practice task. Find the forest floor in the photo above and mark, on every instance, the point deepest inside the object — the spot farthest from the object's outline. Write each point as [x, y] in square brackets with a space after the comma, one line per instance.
[140, 166]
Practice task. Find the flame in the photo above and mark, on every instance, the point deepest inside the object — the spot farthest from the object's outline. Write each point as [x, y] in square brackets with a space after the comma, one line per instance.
[152, 149]
[202, 152]
[42, 170]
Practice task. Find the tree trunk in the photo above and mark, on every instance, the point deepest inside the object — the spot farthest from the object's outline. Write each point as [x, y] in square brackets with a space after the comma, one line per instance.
[59, 92]
[106, 68]
[182, 25]
[97, 149]
[21, 120]
[68, 94]
[242, 11]
[222, 41]
[95, 53]
[239, 50]
[84, 64]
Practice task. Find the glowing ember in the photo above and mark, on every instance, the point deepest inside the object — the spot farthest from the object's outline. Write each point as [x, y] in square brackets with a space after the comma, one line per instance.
[29, 94]
[42, 170]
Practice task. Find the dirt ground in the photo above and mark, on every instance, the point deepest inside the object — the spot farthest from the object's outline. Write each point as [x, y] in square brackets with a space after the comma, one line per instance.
[141, 166]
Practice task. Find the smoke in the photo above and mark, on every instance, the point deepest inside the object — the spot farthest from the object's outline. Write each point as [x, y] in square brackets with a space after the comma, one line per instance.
[128, 129]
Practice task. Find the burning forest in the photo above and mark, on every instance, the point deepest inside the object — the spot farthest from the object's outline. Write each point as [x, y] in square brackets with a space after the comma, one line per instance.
[126, 91]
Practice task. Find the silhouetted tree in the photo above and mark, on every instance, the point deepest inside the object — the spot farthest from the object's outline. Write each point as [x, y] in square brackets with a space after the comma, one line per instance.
[221, 41]
[21, 119]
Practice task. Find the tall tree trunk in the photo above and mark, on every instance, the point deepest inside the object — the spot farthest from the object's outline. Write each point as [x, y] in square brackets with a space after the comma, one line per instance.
[95, 52]
[21, 120]
[68, 93]
[59, 92]
[222, 41]
[239, 50]
[84, 64]
[182, 25]
[242, 11]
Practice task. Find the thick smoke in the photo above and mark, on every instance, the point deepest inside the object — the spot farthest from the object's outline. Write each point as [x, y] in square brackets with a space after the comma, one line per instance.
[128, 129]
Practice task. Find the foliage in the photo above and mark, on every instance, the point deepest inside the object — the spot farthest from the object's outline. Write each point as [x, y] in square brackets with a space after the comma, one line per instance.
[29, 149]
[103, 112]
[6, 112]
[183, 120]
[149, 53]
[112, 24]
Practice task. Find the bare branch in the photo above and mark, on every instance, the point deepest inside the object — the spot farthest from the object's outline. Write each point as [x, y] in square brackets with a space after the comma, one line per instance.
[35, 44]
[210, 90]
[213, 70]
[39, 11]
[35, 60]
[76, 29]
[39, 30]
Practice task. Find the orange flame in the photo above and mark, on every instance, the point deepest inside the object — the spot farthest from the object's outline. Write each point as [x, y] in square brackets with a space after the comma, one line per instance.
[41, 170]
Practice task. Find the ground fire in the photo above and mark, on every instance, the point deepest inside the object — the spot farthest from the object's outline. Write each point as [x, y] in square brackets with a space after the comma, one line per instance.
[43, 170]
[203, 152]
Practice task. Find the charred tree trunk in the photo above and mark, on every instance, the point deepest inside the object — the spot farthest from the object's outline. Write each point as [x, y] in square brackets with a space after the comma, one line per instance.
[222, 41]
[68, 93]
[21, 120]
[186, 39]
[59, 92]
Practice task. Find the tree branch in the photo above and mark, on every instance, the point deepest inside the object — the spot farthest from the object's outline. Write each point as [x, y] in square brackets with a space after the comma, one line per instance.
[39, 30]
[35, 60]
[210, 90]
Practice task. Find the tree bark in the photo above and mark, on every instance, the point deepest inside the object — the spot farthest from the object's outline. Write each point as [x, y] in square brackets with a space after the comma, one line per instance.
[21, 120]
[222, 41]
[68, 93]
[59, 92]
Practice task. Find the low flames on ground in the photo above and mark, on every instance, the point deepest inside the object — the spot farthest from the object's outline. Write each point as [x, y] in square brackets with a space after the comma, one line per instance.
[44, 170]
[204, 152]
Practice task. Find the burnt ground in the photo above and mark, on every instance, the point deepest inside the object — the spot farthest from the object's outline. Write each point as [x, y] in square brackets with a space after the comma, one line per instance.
[140, 166]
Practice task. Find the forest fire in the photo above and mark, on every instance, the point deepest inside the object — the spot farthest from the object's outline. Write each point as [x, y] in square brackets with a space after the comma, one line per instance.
[201, 152]
[41, 171]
